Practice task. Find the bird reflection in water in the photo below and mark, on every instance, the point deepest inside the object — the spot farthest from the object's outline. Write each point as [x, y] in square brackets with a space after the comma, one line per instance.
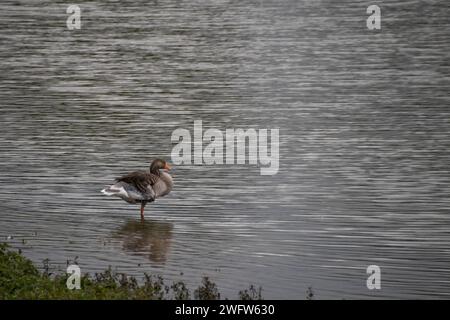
[148, 238]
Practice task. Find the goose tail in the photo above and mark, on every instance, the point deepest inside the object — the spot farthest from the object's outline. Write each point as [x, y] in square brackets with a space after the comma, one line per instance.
[114, 190]
[107, 191]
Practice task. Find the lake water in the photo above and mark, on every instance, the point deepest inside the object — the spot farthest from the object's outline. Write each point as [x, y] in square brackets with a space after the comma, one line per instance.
[364, 126]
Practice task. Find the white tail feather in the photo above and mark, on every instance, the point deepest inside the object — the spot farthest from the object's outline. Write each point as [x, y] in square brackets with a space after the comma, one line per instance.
[107, 192]
[114, 191]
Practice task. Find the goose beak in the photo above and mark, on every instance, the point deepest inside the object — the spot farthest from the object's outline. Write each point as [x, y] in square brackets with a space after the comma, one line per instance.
[167, 167]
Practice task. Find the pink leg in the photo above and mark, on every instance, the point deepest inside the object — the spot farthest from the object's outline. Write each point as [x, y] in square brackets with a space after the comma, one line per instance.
[142, 210]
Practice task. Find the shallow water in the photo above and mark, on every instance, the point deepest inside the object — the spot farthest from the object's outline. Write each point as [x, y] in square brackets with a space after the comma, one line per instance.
[364, 141]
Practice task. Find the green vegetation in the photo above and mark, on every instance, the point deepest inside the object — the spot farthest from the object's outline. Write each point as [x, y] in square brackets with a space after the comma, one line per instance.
[19, 279]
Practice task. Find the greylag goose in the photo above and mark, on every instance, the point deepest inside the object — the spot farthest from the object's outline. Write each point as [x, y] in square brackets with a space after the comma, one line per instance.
[141, 186]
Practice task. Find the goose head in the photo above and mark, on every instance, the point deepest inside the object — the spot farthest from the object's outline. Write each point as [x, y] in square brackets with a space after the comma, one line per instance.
[157, 165]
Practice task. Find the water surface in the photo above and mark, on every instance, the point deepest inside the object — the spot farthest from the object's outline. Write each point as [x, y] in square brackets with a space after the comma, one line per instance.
[364, 141]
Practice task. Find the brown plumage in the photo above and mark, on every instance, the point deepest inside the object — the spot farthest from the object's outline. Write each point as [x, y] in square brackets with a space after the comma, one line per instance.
[143, 187]
[140, 179]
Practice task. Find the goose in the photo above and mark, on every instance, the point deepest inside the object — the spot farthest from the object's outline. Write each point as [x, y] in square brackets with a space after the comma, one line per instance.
[142, 186]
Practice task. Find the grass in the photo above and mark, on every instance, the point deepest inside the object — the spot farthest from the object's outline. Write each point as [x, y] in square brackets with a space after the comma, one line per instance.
[19, 279]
